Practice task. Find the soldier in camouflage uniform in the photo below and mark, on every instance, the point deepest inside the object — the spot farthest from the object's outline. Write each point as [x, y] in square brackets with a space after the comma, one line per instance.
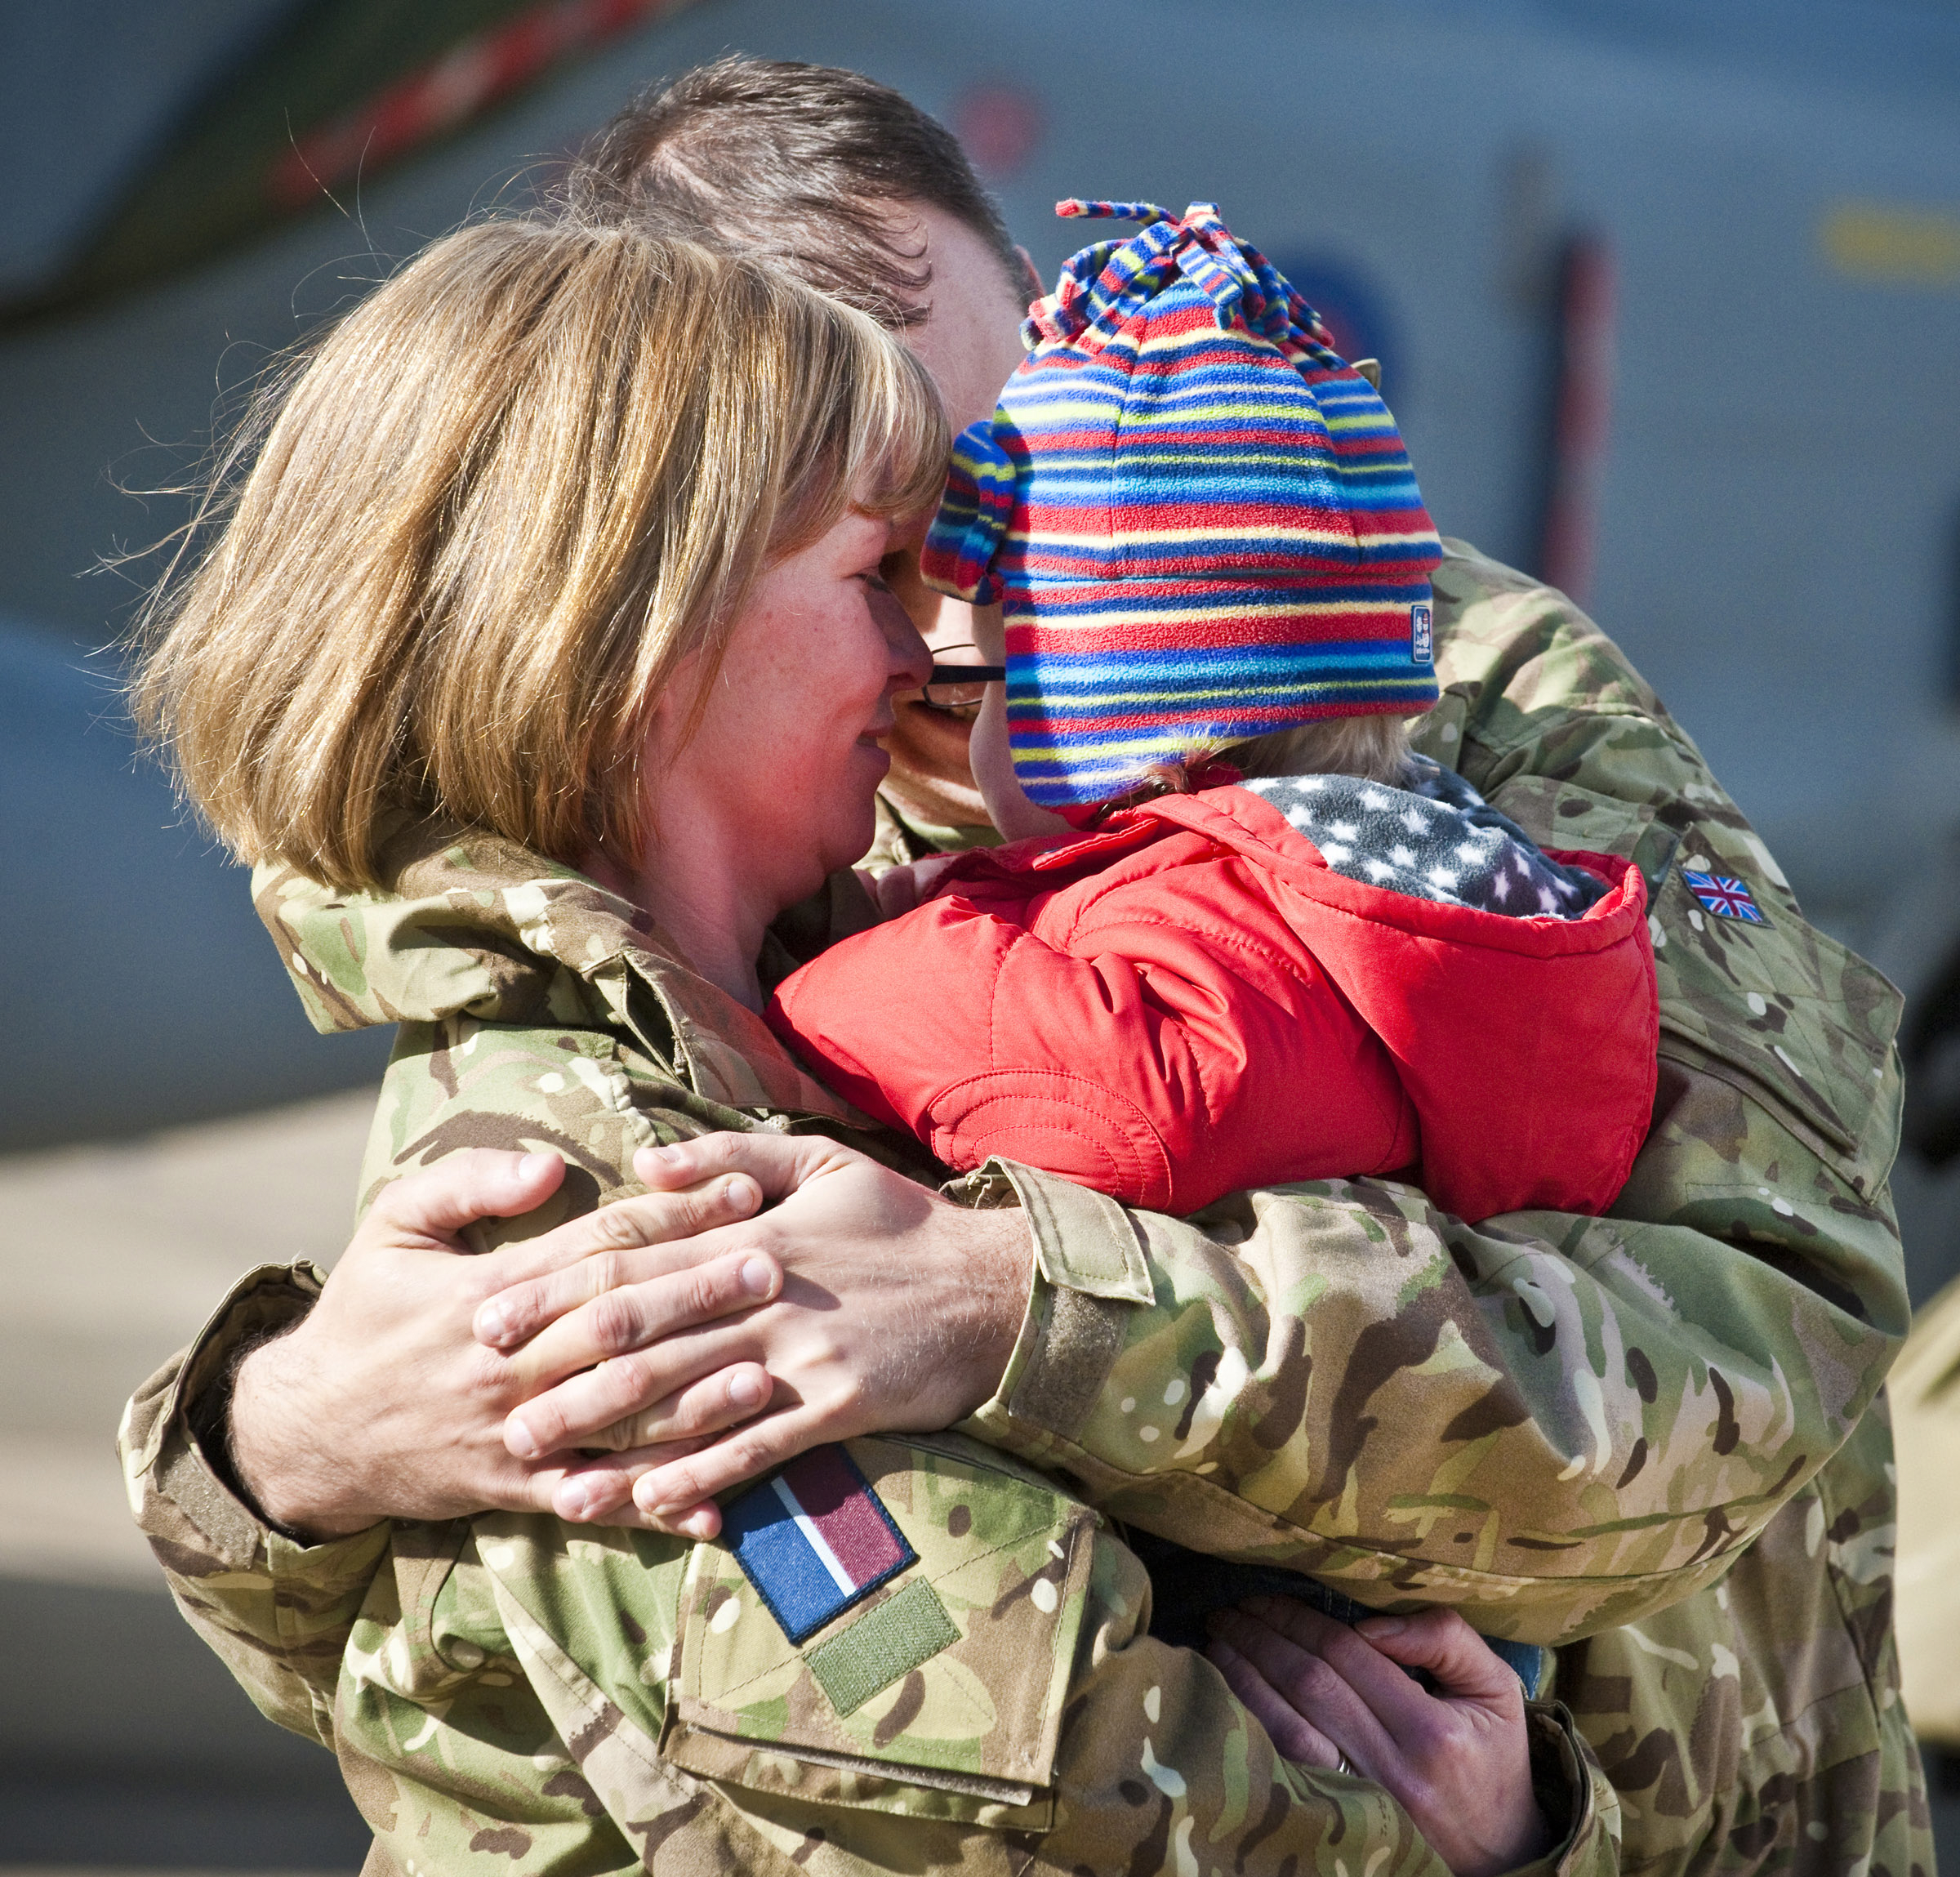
[1532, 1418]
[1622, 1404]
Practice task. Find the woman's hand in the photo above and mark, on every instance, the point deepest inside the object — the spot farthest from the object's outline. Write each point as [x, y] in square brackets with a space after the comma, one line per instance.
[1459, 1762]
[898, 1310]
[382, 1403]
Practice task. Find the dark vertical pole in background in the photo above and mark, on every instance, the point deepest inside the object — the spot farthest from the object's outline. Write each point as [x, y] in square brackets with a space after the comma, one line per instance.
[1951, 670]
[1581, 417]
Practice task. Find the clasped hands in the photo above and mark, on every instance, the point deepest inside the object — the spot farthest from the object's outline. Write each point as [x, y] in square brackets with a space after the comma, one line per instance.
[768, 1293]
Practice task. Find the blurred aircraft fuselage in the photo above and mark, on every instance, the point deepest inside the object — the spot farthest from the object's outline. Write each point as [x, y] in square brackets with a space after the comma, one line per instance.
[1667, 296]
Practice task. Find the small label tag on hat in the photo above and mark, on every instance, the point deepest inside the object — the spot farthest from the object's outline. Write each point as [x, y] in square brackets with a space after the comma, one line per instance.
[1422, 640]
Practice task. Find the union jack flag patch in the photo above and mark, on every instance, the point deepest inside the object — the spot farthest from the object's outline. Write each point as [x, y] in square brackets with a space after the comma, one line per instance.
[1725, 898]
[814, 1540]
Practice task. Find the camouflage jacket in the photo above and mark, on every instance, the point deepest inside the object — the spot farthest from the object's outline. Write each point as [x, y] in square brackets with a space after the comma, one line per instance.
[902, 837]
[1612, 1407]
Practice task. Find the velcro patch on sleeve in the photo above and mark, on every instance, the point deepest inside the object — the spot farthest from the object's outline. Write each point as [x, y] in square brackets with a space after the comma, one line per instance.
[813, 1541]
[909, 1627]
[940, 1694]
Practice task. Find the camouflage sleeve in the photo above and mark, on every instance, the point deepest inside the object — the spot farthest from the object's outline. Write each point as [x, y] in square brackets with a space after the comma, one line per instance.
[1555, 1423]
[449, 1751]
[1554, 1431]
[279, 1613]
[553, 1695]
[276, 1612]
[1758, 1726]
[1164, 1764]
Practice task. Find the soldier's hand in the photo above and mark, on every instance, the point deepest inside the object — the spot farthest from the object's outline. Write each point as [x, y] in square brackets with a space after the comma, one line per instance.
[383, 1403]
[1459, 1762]
[898, 1311]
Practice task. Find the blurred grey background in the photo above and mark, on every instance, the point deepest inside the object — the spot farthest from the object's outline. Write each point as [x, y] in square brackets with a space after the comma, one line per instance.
[1667, 294]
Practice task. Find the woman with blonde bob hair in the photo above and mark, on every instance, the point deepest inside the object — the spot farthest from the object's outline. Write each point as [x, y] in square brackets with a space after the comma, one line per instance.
[539, 662]
[508, 513]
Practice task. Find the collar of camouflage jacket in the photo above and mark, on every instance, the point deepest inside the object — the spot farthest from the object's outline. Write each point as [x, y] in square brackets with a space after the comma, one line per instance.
[475, 926]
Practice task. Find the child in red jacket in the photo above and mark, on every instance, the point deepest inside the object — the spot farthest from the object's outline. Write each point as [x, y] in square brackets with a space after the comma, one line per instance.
[1329, 958]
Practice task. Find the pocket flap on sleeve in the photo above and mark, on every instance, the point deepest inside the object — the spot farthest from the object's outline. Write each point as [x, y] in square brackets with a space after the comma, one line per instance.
[888, 1624]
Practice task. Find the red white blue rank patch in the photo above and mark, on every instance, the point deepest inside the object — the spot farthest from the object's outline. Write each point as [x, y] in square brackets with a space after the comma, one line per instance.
[1724, 896]
[814, 1540]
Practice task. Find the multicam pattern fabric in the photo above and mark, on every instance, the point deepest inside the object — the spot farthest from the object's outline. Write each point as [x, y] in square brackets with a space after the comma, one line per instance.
[901, 837]
[1758, 1726]
[1560, 1424]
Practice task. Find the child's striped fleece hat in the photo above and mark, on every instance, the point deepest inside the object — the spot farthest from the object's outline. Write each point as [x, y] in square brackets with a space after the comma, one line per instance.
[1200, 521]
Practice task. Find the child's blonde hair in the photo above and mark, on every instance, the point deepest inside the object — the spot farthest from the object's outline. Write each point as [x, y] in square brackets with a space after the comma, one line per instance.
[1374, 747]
[494, 509]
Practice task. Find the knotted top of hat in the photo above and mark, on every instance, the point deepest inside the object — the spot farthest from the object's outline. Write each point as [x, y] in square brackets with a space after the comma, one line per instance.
[1198, 518]
[1104, 284]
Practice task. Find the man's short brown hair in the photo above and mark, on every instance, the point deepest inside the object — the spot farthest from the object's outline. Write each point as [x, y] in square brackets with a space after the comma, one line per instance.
[803, 163]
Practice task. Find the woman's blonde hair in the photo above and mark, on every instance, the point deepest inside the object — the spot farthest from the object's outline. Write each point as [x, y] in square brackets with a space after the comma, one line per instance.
[492, 511]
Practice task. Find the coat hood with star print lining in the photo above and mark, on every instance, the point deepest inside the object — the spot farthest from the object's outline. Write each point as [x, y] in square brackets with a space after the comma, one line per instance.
[1189, 1000]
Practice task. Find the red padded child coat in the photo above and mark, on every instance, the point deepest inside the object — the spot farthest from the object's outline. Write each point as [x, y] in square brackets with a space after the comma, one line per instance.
[1188, 1001]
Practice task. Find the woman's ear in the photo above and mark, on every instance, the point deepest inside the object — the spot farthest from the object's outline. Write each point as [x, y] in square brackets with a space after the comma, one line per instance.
[673, 714]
